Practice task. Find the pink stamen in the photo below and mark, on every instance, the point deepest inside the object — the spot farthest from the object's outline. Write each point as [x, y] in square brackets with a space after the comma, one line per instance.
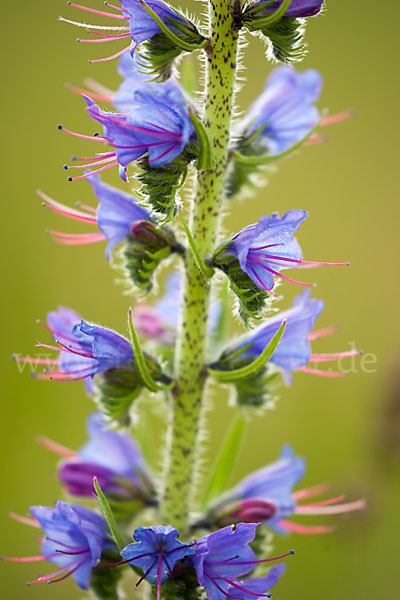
[264, 287]
[97, 12]
[164, 153]
[26, 558]
[85, 175]
[70, 572]
[213, 579]
[61, 543]
[36, 361]
[47, 577]
[321, 503]
[91, 95]
[119, 9]
[88, 208]
[256, 562]
[82, 136]
[107, 58]
[58, 376]
[315, 138]
[55, 448]
[305, 529]
[109, 38]
[92, 164]
[78, 236]
[71, 213]
[331, 510]
[25, 520]
[78, 352]
[315, 490]
[281, 276]
[96, 156]
[95, 85]
[87, 26]
[337, 356]
[306, 262]
[73, 553]
[320, 373]
[81, 242]
[320, 333]
[242, 589]
[263, 247]
[343, 116]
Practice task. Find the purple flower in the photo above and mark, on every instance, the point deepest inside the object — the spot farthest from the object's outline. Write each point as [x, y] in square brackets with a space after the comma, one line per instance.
[156, 551]
[116, 212]
[113, 458]
[297, 8]
[141, 26]
[284, 114]
[223, 556]
[267, 495]
[294, 351]
[74, 539]
[265, 248]
[84, 349]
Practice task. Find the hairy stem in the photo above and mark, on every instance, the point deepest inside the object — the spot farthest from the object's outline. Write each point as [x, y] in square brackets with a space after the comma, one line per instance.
[187, 395]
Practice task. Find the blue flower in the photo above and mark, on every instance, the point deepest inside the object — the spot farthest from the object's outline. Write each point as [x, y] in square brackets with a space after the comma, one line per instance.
[267, 495]
[84, 349]
[142, 26]
[296, 9]
[284, 114]
[265, 248]
[74, 539]
[116, 212]
[113, 458]
[294, 350]
[223, 556]
[156, 551]
[158, 125]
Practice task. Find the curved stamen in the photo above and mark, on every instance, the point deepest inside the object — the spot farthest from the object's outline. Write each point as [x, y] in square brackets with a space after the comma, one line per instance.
[321, 503]
[85, 175]
[106, 38]
[333, 356]
[145, 574]
[320, 333]
[337, 118]
[315, 490]
[242, 589]
[96, 12]
[306, 262]
[47, 577]
[99, 27]
[78, 352]
[35, 361]
[55, 448]
[331, 510]
[213, 579]
[78, 566]
[280, 275]
[72, 553]
[71, 213]
[91, 164]
[25, 520]
[305, 529]
[320, 373]
[92, 95]
[264, 560]
[98, 138]
[263, 286]
[107, 58]
[86, 207]
[138, 128]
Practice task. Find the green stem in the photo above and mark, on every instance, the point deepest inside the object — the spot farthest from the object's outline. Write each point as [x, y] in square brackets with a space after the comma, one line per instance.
[187, 397]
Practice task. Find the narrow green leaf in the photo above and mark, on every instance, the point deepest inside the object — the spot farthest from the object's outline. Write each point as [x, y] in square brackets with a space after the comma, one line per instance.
[147, 379]
[255, 366]
[170, 34]
[205, 159]
[207, 271]
[108, 515]
[226, 460]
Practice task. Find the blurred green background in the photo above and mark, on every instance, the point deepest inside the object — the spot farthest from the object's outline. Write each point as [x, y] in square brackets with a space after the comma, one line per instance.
[348, 429]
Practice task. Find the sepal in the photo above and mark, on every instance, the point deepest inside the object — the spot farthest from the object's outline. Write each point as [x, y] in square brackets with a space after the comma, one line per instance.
[159, 185]
[160, 51]
[250, 298]
[144, 249]
[284, 34]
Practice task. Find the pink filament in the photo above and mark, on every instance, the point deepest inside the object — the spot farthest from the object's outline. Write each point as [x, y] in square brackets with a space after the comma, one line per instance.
[70, 572]
[91, 95]
[107, 58]
[337, 356]
[337, 118]
[305, 529]
[138, 128]
[78, 236]
[104, 27]
[264, 287]
[55, 448]
[107, 38]
[315, 490]
[320, 333]
[71, 213]
[114, 164]
[88, 208]
[85, 137]
[331, 510]
[37, 361]
[97, 12]
[319, 373]
[93, 164]
[306, 262]
[322, 502]
[25, 520]
[279, 274]
[79, 353]
[24, 559]
[159, 575]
